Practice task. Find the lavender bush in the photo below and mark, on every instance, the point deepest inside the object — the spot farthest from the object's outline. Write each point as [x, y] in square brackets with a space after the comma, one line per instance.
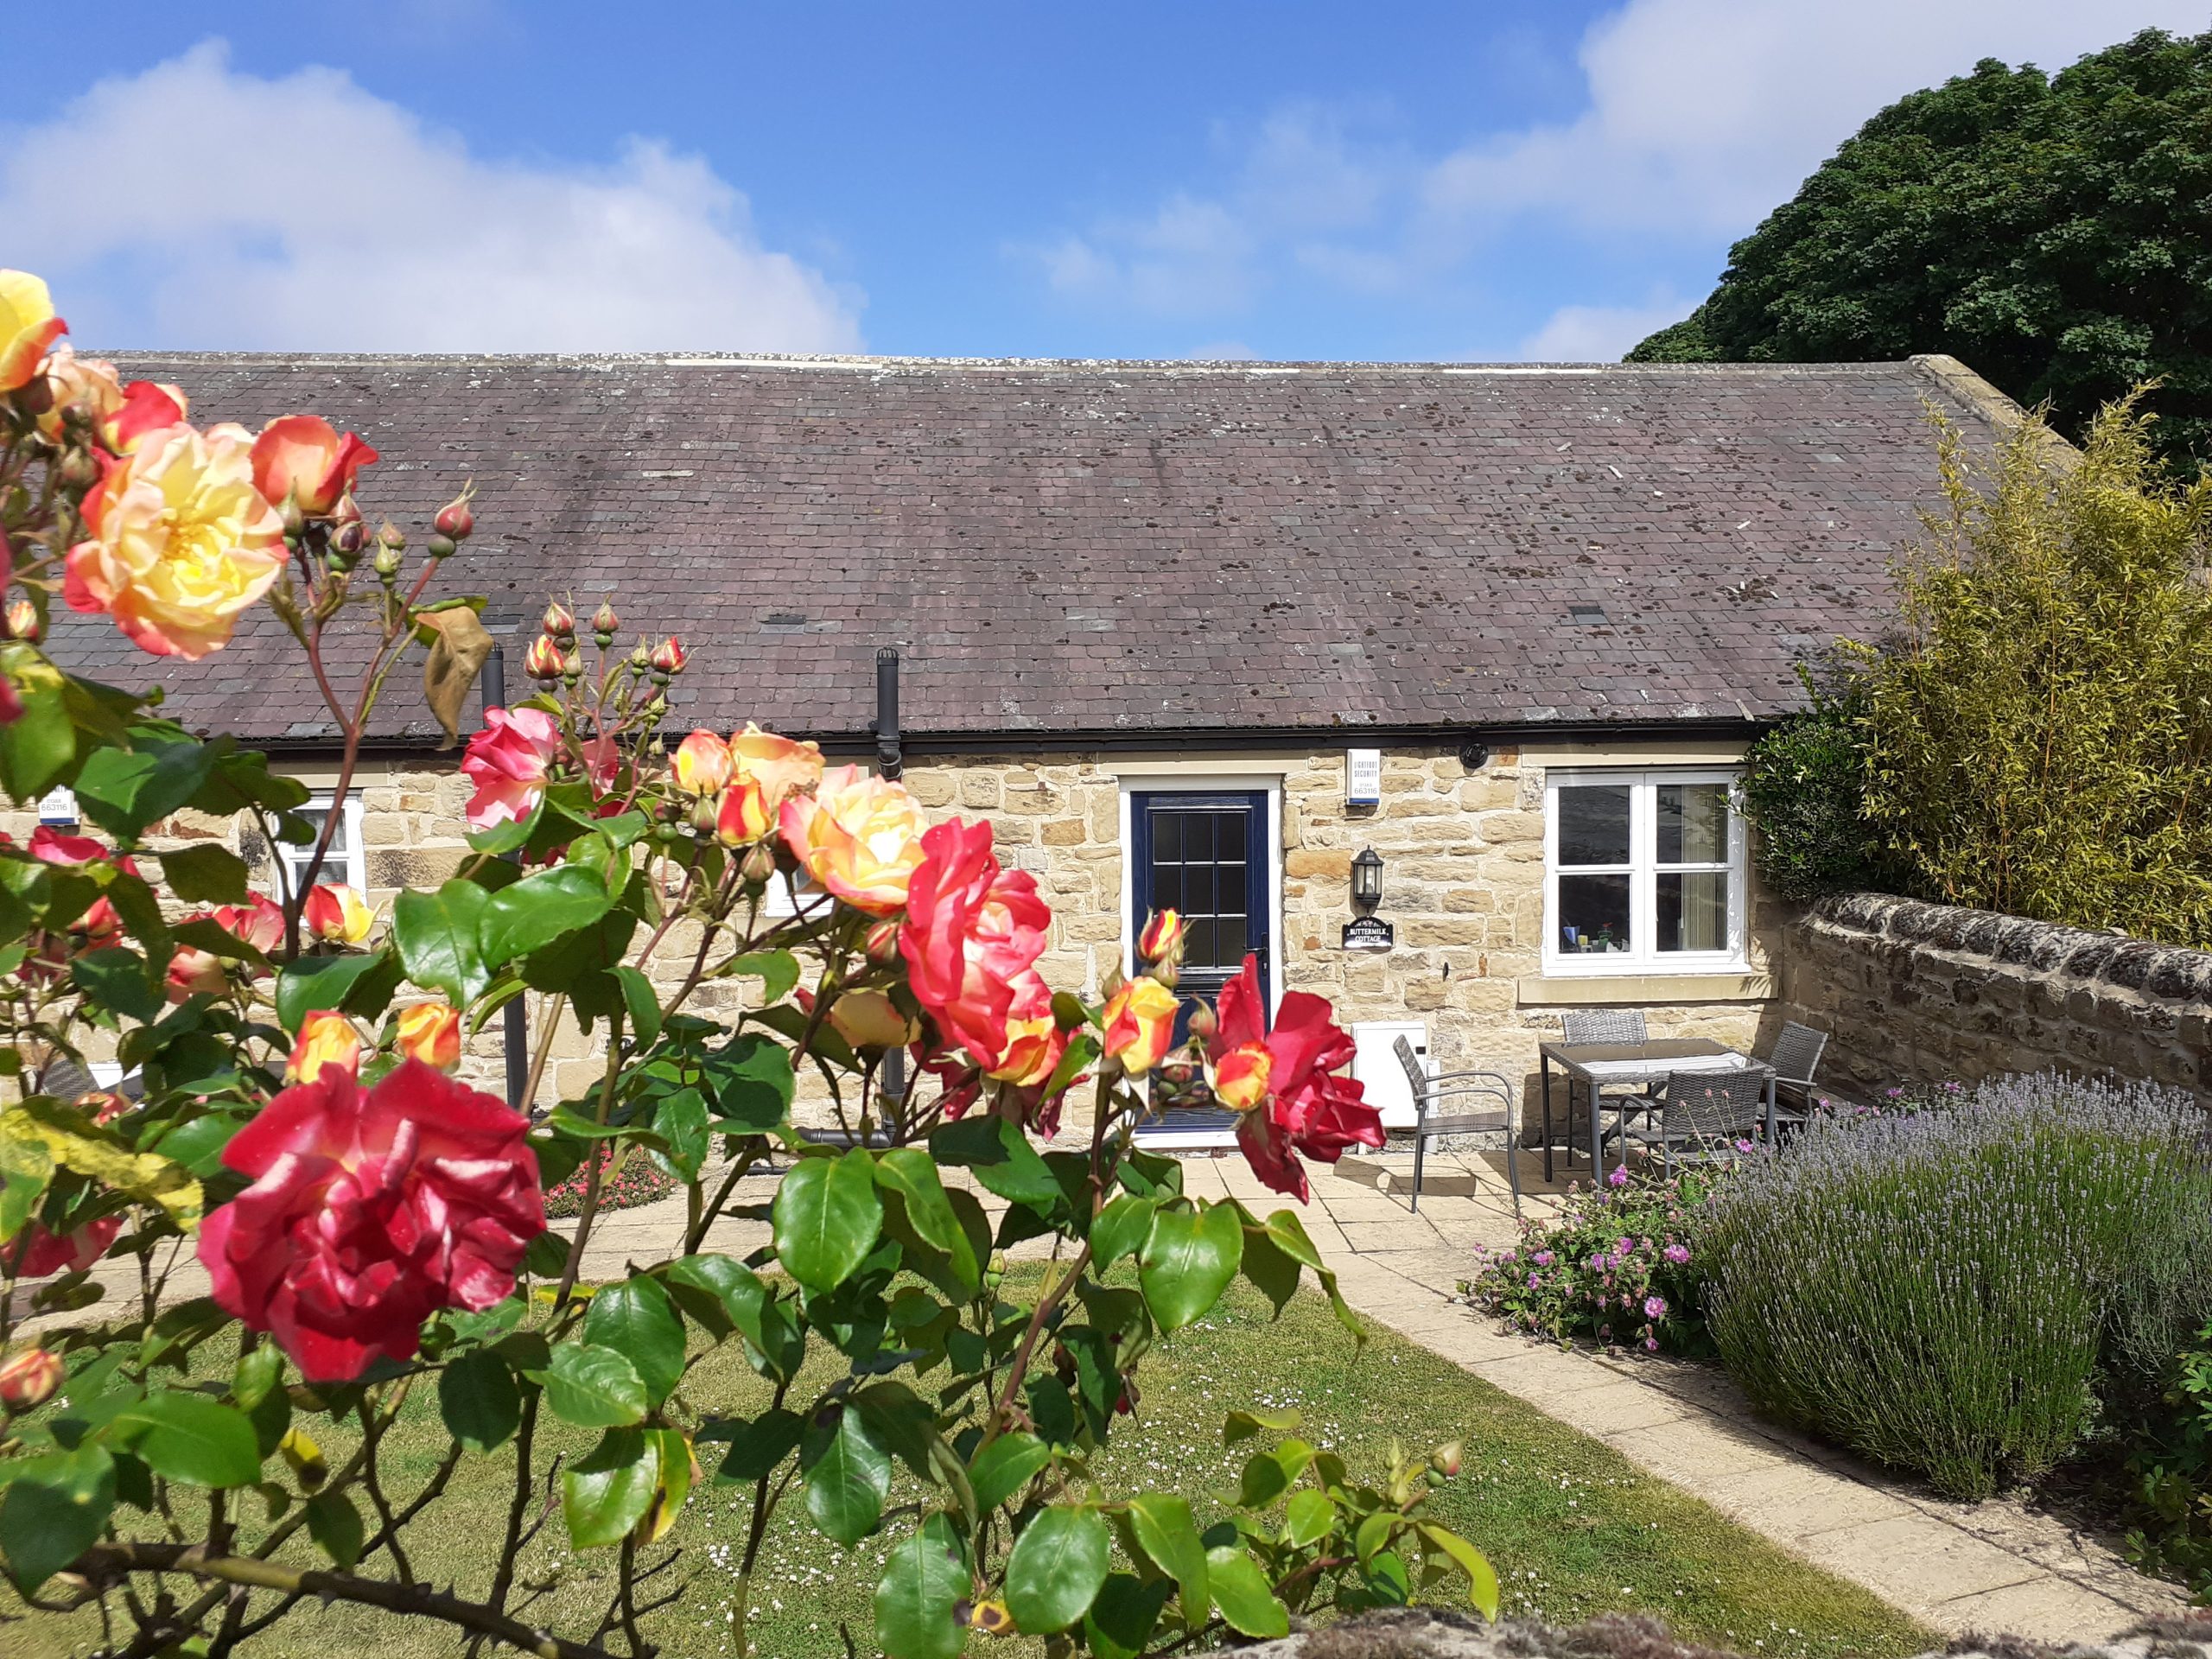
[1938, 1290]
[1624, 1264]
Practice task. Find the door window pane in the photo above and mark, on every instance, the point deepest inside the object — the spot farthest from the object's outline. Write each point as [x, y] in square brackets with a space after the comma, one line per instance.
[1593, 820]
[1693, 910]
[1199, 949]
[1693, 823]
[1594, 914]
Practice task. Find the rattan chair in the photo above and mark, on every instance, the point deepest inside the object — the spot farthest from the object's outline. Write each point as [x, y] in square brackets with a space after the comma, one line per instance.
[1795, 1056]
[1428, 1090]
[1700, 1116]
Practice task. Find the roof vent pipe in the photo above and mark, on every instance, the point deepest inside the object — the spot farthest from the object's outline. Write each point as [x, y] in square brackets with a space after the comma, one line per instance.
[890, 758]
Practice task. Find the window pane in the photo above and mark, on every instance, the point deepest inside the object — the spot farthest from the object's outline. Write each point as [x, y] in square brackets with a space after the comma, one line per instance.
[1593, 913]
[1229, 940]
[1199, 950]
[1197, 890]
[1167, 886]
[1167, 836]
[1198, 835]
[1692, 823]
[1593, 825]
[1692, 910]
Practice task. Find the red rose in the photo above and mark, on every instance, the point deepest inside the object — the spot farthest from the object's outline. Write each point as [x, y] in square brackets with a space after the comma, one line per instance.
[39, 1252]
[302, 456]
[1308, 1106]
[972, 930]
[370, 1210]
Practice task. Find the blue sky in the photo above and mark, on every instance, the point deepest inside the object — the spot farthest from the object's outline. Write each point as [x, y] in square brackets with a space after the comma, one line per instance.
[1409, 181]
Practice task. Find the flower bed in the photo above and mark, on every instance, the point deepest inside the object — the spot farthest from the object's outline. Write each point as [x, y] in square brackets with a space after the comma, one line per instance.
[1622, 1264]
[637, 1180]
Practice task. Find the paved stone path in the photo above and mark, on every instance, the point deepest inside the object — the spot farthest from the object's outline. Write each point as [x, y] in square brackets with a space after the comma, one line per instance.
[1994, 1566]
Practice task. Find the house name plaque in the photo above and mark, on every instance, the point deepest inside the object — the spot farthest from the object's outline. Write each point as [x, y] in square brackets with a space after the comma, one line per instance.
[1370, 934]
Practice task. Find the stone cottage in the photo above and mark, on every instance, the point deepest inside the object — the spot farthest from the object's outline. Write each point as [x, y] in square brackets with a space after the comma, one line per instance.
[1190, 635]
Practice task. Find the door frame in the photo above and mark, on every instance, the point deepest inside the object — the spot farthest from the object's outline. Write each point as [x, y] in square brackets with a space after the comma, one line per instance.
[1196, 780]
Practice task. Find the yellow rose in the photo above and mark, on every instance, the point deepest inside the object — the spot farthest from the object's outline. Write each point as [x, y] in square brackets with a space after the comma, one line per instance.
[1139, 1020]
[430, 1033]
[180, 542]
[860, 836]
[28, 326]
[781, 766]
[86, 384]
[326, 1039]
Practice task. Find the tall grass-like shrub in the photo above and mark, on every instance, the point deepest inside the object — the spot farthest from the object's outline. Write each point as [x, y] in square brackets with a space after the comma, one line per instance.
[1936, 1291]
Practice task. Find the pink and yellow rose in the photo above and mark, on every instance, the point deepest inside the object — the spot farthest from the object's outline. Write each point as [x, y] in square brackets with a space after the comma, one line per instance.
[28, 326]
[507, 761]
[782, 767]
[180, 542]
[430, 1033]
[303, 457]
[702, 764]
[325, 1040]
[859, 837]
[1139, 1024]
[973, 928]
[336, 914]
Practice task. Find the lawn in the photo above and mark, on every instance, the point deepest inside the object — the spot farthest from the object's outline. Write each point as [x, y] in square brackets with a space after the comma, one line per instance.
[1572, 1529]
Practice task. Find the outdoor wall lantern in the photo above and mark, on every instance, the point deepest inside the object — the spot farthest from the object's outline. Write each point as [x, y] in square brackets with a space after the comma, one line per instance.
[1367, 880]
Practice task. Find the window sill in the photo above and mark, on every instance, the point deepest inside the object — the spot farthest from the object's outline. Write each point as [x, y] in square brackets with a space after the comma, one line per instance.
[1644, 990]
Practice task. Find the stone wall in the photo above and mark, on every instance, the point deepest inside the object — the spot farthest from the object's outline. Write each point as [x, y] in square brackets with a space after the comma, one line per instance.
[1925, 993]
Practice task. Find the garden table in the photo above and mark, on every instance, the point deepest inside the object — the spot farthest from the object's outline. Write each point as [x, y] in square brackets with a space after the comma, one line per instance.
[1602, 1065]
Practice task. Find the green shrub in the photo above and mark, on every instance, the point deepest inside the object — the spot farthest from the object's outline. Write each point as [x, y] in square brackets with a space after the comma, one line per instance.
[2039, 740]
[2169, 1458]
[1804, 786]
[1624, 1264]
[1935, 1291]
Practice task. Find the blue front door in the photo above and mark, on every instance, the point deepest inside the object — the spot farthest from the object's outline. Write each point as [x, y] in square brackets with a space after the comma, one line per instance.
[1204, 853]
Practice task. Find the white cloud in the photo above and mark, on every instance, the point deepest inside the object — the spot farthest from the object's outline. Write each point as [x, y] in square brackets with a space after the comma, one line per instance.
[1704, 115]
[1599, 333]
[1190, 259]
[193, 205]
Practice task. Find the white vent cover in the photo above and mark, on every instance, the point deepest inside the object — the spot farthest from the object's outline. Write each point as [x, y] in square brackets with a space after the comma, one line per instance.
[1375, 1065]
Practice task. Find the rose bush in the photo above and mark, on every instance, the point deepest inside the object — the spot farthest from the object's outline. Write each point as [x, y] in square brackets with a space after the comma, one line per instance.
[373, 1228]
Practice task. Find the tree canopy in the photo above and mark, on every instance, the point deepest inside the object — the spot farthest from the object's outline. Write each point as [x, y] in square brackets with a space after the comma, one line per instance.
[2053, 233]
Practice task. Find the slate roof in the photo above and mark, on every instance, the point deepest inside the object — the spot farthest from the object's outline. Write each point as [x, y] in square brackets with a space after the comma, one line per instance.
[1071, 549]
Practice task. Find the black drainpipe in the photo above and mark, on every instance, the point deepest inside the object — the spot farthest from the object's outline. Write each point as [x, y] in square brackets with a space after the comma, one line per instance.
[491, 691]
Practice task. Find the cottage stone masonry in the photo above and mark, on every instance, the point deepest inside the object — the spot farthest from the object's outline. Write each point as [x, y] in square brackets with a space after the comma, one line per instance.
[1925, 991]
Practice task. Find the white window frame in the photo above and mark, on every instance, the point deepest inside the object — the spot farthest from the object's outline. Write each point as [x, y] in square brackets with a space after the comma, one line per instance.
[353, 863]
[780, 901]
[1643, 871]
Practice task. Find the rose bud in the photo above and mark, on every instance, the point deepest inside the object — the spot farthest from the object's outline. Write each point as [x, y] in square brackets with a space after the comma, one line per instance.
[882, 943]
[22, 621]
[559, 620]
[759, 864]
[386, 562]
[544, 660]
[1162, 940]
[669, 656]
[641, 657]
[348, 512]
[294, 521]
[1447, 1457]
[702, 816]
[572, 666]
[454, 518]
[30, 1379]
[743, 817]
[390, 535]
[442, 547]
[870, 1020]
[430, 1033]
[351, 539]
[326, 1039]
[702, 763]
[604, 619]
[336, 914]
[1204, 1023]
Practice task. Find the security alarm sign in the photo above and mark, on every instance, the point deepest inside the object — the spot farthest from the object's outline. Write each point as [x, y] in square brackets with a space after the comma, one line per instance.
[1363, 777]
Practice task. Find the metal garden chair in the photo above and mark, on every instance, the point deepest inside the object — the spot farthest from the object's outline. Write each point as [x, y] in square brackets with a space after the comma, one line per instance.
[1700, 1116]
[1795, 1056]
[1428, 1090]
[1623, 1026]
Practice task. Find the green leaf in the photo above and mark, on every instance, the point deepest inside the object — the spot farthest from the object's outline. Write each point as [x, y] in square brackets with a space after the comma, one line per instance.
[593, 1387]
[38, 745]
[1308, 1518]
[537, 910]
[758, 1448]
[635, 1320]
[1243, 1424]
[1121, 1622]
[437, 936]
[317, 982]
[1120, 1229]
[1262, 1481]
[776, 970]
[208, 874]
[643, 1003]
[703, 1285]
[1188, 1260]
[1164, 1527]
[55, 1507]
[1241, 1595]
[827, 1218]
[924, 1581]
[1004, 1161]
[912, 1173]
[752, 1083]
[1057, 1568]
[117, 979]
[605, 1493]
[1482, 1578]
[335, 1525]
[479, 1401]
[1287, 1233]
[191, 1438]
[848, 1475]
[1005, 1466]
[123, 791]
[508, 834]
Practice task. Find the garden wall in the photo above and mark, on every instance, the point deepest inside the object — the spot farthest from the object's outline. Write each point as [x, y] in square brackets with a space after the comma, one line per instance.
[1930, 992]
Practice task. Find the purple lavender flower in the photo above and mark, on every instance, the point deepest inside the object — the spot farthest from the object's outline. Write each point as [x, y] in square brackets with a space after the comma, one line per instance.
[1532, 1282]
